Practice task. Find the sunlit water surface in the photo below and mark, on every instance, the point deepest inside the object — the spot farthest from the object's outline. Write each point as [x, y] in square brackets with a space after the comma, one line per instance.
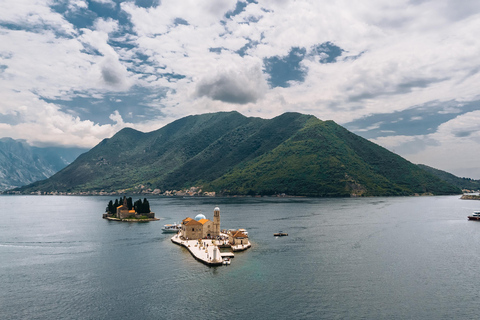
[371, 258]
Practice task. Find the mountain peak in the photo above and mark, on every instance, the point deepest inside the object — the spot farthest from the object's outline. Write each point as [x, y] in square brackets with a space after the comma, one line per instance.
[229, 153]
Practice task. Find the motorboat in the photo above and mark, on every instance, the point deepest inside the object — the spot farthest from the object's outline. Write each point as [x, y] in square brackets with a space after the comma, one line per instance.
[226, 261]
[171, 228]
[280, 234]
[475, 216]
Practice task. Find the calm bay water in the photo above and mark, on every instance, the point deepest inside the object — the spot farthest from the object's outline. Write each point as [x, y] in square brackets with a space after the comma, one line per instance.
[373, 258]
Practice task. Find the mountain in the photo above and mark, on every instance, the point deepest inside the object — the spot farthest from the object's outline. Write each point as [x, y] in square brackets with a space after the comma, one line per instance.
[21, 164]
[462, 183]
[229, 153]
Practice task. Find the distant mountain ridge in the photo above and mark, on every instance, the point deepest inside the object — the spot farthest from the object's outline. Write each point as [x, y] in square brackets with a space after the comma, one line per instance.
[229, 153]
[22, 164]
[462, 183]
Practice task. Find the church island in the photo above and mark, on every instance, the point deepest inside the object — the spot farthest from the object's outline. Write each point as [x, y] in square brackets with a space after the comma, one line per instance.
[126, 210]
[204, 238]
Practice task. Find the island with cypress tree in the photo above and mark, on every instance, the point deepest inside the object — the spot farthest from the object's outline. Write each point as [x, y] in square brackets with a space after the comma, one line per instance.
[124, 209]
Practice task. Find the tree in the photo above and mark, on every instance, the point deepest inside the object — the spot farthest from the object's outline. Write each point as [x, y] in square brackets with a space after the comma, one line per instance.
[142, 207]
[146, 206]
[138, 206]
[129, 203]
[110, 207]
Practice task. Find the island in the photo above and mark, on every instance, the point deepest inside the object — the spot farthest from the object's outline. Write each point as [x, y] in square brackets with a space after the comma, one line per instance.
[470, 197]
[125, 210]
[204, 239]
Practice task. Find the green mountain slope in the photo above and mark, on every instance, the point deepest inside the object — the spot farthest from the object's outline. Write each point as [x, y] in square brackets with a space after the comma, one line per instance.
[230, 153]
[463, 183]
[324, 159]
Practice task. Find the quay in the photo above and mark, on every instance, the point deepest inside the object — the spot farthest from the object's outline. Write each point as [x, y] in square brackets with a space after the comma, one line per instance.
[203, 238]
[204, 250]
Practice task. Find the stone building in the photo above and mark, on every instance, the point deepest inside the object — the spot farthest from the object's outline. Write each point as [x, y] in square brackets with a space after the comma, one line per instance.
[236, 237]
[201, 227]
[123, 212]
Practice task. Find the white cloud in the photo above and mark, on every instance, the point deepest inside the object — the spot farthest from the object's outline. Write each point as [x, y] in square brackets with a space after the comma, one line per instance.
[233, 86]
[50, 126]
[403, 53]
[454, 147]
[108, 25]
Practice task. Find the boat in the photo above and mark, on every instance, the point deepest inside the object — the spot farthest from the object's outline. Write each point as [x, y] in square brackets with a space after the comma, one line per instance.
[171, 228]
[475, 216]
[280, 234]
[226, 261]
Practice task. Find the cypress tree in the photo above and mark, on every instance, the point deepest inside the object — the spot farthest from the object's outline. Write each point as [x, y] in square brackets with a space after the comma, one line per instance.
[138, 206]
[110, 208]
[146, 206]
[129, 203]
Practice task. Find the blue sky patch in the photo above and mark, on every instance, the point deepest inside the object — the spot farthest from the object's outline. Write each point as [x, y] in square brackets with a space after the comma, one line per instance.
[134, 106]
[147, 3]
[243, 50]
[327, 52]
[239, 7]
[284, 69]
[420, 120]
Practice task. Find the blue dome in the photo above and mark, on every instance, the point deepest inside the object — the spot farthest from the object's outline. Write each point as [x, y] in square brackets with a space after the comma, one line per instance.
[199, 217]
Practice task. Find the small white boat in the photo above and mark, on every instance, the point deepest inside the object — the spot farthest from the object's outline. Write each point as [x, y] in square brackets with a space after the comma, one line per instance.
[171, 228]
[226, 261]
[244, 231]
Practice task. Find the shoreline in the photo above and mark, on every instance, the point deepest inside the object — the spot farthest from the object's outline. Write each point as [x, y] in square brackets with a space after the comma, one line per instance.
[131, 220]
[198, 252]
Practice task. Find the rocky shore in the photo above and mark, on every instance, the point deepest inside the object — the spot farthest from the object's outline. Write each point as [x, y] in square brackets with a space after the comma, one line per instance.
[470, 197]
[130, 220]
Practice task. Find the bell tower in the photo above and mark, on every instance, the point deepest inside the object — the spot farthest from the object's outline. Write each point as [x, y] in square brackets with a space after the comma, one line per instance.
[216, 221]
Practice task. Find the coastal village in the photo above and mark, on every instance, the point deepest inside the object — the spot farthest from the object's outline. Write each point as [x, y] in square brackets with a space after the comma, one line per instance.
[205, 239]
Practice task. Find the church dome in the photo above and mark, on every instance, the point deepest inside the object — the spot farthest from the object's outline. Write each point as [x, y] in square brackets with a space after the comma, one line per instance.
[199, 217]
[216, 209]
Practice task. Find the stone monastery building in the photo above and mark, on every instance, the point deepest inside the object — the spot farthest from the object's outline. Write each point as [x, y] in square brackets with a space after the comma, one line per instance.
[201, 227]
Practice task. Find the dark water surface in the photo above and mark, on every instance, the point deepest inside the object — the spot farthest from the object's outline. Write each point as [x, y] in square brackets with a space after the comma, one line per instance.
[373, 258]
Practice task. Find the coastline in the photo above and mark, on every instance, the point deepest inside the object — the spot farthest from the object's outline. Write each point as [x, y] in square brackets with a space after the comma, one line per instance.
[203, 253]
[131, 220]
[470, 197]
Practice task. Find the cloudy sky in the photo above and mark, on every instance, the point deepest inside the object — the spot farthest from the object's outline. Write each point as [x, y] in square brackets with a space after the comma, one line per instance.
[403, 73]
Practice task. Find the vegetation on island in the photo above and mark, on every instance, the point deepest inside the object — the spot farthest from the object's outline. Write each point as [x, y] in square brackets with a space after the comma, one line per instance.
[231, 154]
[139, 206]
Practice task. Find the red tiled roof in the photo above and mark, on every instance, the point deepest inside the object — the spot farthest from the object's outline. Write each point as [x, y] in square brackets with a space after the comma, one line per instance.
[191, 222]
[203, 221]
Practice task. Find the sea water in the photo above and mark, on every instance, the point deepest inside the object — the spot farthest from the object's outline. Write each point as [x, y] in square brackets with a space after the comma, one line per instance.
[356, 258]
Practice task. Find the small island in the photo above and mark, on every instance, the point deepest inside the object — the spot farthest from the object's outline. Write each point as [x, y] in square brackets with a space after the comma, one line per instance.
[125, 210]
[204, 238]
[470, 197]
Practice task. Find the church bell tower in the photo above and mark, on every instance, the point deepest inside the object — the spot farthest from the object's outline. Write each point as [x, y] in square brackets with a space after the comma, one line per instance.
[216, 221]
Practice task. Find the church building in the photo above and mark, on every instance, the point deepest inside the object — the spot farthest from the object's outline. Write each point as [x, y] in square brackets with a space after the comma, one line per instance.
[123, 212]
[201, 227]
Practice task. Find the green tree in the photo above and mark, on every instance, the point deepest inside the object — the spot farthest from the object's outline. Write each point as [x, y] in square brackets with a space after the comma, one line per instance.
[146, 206]
[138, 206]
[110, 208]
[129, 203]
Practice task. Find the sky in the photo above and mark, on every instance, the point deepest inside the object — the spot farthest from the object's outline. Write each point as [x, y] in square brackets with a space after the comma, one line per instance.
[404, 74]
